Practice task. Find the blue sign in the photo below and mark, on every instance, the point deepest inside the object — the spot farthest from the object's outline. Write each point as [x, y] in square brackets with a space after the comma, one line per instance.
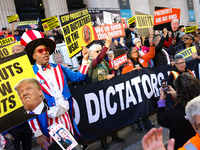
[191, 15]
[126, 13]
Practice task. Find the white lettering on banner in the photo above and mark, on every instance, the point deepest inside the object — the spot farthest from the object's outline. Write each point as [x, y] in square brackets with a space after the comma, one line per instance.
[145, 79]
[76, 112]
[96, 104]
[91, 97]
[130, 98]
[136, 81]
[111, 110]
[154, 85]
[102, 104]
[119, 88]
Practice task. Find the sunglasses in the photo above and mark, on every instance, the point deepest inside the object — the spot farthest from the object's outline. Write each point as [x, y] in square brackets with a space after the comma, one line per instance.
[41, 50]
[98, 51]
[187, 38]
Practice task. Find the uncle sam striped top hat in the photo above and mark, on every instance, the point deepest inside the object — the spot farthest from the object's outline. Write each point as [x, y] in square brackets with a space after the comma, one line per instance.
[31, 39]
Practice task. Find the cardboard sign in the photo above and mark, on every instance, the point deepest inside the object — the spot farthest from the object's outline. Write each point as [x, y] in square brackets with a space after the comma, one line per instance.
[50, 23]
[106, 21]
[144, 21]
[77, 30]
[188, 52]
[191, 29]
[141, 30]
[163, 17]
[61, 56]
[117, 57]
[6, 50]
[62, 137]
[28, 24]
[13, 69]
[131, 20]
[13, 18]
[6, 41]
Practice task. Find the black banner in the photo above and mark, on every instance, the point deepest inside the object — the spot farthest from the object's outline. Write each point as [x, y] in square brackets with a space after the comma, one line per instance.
[105, 106]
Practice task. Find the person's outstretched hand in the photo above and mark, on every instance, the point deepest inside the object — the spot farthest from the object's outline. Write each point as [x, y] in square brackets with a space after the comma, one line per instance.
[108, 41]
[85, 53]
[153, 140]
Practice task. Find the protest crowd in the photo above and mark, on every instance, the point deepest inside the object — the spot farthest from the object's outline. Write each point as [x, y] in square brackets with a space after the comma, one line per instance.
[178, 103]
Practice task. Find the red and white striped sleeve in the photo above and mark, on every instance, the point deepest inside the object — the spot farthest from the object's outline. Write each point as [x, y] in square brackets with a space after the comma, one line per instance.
[85, 66]
[35, 127]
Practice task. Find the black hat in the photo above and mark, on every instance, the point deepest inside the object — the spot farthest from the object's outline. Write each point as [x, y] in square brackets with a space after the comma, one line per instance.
[132, 25]
[32, 39]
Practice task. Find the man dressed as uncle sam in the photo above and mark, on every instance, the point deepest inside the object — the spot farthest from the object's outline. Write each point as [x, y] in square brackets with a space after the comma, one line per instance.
[53, 82]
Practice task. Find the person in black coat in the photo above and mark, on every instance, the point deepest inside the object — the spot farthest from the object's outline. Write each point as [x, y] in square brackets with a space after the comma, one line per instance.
[188, 87]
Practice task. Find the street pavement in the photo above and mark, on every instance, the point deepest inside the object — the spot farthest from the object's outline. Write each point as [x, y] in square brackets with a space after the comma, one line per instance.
[133, 138]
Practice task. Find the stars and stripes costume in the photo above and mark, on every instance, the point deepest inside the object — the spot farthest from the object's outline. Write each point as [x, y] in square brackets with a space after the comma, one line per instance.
[53, 82]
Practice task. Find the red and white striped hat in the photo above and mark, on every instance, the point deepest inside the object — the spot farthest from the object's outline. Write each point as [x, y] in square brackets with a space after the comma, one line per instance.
[31, 39]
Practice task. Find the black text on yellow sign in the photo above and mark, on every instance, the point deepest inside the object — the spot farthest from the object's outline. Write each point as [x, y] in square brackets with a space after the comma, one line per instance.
[27, 22]
[131, 20]
[144, 21]
[191, 29]
[11, 72]
[188, 52]
[6, 40]
[65, 19]
[6, 50]
[50, 23]
[78, 33]
[13, 18]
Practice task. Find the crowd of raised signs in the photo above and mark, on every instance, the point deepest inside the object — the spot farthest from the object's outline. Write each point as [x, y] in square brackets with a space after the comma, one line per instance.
[160, 47]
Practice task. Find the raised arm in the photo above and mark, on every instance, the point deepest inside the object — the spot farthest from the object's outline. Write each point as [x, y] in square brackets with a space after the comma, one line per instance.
[102, 54]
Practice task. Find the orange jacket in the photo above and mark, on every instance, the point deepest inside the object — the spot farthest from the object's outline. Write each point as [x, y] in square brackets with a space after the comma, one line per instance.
[193, 143]
[143, 60]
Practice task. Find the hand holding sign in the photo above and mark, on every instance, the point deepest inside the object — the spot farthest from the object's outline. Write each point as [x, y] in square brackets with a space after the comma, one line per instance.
[170, 34]
[151, 40]
[174, 41]
[41, 140]
[151, 31]
[165, 32]
[85, 53]
[108, 41]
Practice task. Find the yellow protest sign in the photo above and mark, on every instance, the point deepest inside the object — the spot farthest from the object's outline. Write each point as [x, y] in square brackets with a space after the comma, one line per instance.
[144, 21]
[191, 29]
[188, 52]
[13, 69]
[131, 20]
[6, 50]
[50, 23]
[12, 72]
[13, 18]
[77, 30]
[28, 24]
[6, 41]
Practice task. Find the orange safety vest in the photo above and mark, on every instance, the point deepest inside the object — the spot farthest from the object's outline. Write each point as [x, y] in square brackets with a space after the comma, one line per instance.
[192, 144]
[176, 74]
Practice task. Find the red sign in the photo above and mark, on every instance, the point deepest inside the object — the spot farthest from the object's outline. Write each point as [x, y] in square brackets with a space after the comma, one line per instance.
[118, 61]
[115, 30]
[165, 15]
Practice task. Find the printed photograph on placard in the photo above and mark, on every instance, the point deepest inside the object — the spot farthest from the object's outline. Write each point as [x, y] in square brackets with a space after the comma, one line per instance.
[62, 137]
[19, 95]
[34, 101]
[106, 21]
